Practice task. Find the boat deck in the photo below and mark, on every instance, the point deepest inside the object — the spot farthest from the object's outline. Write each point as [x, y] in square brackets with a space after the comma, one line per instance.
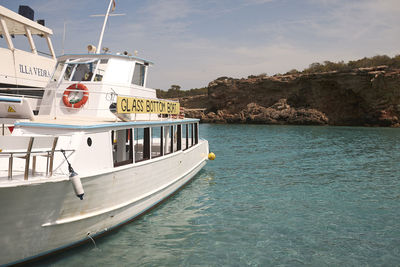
[18, 178]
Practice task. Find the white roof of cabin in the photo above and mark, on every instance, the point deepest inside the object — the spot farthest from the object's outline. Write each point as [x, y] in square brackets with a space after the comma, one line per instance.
[16, 23]
[101, 56]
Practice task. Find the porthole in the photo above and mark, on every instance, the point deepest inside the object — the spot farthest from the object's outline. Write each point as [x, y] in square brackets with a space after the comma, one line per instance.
[89, 141]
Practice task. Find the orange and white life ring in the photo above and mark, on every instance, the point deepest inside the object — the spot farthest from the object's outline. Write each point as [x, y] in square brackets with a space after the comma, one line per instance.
[82, 101]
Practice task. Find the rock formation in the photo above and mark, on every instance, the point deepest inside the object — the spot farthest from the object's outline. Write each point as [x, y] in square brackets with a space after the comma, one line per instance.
[362, 97]
[279, 113]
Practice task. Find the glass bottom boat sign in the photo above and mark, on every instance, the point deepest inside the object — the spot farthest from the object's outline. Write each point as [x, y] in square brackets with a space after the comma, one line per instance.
[143, 105]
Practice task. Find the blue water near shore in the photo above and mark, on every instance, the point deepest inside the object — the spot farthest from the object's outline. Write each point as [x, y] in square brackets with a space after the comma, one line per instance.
[275, 195]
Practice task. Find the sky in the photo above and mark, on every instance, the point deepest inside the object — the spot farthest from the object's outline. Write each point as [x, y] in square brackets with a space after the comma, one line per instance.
[193, 42]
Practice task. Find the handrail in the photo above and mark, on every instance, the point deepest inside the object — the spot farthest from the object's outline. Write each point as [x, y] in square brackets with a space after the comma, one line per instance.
[28, 157]
[50, 167]
[29, 153]
[2, 89]
[34, 152]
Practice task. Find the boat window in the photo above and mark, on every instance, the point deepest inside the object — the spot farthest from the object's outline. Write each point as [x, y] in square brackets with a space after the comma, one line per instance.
[3, 42]
[83, 72]
[41, 45]
[138, 144]
[58, 71]
[122, 147]
[21, 42]
[156, 142]
[190, 136]
[185, 137]
[142, 144]
[68, 72]
[83, 69]
[196, 133]
[138, 74]
[101, 68]
[148, 143]
[168, 139]
[172, 130]
[178, 137]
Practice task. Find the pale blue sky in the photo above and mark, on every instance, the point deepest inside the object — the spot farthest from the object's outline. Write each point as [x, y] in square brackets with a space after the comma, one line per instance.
[193, 42]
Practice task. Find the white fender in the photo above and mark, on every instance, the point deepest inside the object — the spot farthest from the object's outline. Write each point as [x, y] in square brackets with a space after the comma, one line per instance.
[77, 185]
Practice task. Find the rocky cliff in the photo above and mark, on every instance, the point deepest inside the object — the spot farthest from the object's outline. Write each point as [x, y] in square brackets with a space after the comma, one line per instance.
[362, 97]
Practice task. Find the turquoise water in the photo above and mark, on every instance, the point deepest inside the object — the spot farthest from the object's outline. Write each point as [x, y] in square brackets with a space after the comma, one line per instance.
[275, 195]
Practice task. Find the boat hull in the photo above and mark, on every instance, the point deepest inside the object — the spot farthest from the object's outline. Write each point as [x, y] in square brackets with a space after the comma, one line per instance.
[38, 219]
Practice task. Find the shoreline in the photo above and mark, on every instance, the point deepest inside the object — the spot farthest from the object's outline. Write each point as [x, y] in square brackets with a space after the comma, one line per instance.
[360, 97]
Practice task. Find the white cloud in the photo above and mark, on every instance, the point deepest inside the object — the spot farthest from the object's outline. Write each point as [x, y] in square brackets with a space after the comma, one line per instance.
[257, 2]
[167, 10]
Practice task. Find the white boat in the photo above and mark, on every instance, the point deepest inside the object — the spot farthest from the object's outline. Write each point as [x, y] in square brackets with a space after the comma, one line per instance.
[24, 69]
[102, 151]
[18, 67]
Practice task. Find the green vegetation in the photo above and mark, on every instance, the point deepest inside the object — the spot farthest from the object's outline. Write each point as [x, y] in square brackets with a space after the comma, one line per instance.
[175, 92]
[327, 66]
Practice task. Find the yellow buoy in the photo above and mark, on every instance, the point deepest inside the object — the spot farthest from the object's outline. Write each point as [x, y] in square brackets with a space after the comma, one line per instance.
[211, 156]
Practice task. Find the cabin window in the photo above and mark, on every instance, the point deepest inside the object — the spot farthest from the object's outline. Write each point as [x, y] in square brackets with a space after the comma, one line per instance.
[101, 68]
[83, 72]
[83, 69]
[58, 71]
[122, 147]
[168, 139]
[142, 144]
[196, 133]
[146, 143]
[20, 42]
[174, 135]
[68, 72]
[138, 74]
[3, 42]
[190, 135]
[41, 45]
[178, 137]
[156, 142]
[185, 137]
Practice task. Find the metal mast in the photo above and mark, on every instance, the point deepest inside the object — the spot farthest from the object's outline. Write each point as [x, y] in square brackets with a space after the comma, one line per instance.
[104, 27]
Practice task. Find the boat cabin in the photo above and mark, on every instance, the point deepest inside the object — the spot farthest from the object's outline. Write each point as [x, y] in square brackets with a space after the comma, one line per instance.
[98, 104]
[22, 63]
[87, 85]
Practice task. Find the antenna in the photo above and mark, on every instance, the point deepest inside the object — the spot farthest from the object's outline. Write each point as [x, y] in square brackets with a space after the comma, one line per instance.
[110, 15]
[104, 24]
[63, 40]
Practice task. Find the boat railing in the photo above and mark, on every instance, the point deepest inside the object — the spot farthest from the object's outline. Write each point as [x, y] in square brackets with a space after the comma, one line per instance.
[30, 154]
[110, 95]
[9, 91]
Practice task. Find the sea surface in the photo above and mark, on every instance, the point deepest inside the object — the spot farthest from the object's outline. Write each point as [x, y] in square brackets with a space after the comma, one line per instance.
[274, 196]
